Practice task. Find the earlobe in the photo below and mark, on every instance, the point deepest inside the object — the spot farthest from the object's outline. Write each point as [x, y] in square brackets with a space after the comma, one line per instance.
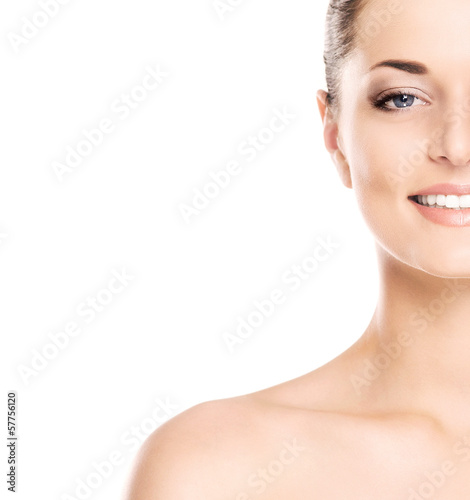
[332, 139]
[330, 126]
[342, 167]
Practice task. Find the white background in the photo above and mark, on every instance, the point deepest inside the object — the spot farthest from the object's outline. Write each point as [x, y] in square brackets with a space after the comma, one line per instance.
[162, 336]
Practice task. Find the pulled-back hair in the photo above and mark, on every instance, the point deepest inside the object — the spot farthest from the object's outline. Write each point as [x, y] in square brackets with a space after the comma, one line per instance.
[340, 36]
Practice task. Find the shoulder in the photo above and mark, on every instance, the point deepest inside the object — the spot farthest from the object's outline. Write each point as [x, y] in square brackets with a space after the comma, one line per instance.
[200, 453]
[217, 449]
[310, 427]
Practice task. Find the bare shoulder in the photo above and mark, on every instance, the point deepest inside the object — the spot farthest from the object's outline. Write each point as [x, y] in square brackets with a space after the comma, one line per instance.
[291, 440]
[286, 441]
[225, 448]
[203, 452]
[238, 447]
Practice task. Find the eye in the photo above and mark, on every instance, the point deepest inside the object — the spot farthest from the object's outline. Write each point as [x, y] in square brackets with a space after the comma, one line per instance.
[393, 101]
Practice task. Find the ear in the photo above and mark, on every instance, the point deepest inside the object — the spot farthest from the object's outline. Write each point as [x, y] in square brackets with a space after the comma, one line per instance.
[332, 141]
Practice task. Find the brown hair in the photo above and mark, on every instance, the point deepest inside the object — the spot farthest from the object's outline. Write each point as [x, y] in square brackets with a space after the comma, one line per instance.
[340, 37]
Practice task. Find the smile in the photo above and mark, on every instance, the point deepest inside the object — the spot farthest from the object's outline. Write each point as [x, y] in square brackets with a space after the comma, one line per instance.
[444, 210]
[450, 201]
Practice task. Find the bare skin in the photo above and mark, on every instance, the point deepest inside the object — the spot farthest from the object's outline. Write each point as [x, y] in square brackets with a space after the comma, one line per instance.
[390, 417]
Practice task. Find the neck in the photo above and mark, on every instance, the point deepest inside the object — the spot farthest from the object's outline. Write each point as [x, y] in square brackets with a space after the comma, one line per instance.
[419, 344]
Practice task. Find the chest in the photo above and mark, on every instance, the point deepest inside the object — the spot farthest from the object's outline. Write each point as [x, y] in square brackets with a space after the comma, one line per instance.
[364, 468]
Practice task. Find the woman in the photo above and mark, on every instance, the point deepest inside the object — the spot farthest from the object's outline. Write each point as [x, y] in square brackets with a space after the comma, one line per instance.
[390, 417]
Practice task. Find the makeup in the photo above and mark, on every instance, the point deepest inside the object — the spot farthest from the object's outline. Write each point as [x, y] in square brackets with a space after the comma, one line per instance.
[444, 204]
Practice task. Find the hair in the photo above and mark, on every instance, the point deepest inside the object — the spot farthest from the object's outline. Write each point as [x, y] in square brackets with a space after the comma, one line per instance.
[340, 39]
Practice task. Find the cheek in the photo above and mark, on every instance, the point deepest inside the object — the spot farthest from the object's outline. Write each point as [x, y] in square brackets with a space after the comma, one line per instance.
[377, 157]
[376, 163]
[389, 162]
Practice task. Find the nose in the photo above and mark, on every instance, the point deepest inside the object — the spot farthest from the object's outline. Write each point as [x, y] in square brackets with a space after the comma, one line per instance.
[452, 140]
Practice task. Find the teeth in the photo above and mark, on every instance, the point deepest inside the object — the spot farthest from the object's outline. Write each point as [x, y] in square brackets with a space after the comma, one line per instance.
[452, 201]
[441, 200]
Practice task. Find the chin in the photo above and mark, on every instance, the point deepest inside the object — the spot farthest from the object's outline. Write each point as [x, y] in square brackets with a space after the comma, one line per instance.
[439, 260]
[452, 264]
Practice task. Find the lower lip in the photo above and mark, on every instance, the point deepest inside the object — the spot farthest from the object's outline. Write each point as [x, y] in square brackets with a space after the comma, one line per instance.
[445, 216]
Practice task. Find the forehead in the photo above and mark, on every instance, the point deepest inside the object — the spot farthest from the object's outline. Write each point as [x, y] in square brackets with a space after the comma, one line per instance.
[435, 32]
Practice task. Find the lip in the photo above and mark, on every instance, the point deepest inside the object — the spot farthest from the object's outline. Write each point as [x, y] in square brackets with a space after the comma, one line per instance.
[457, 189]
[444, 216]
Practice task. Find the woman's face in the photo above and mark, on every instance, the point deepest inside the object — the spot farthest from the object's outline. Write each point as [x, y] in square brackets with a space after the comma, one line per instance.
[389, 147]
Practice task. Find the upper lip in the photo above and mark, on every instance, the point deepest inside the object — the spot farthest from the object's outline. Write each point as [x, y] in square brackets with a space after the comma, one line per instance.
[457, 189]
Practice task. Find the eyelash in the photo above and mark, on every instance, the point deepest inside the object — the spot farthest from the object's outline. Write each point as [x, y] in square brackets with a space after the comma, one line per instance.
[388, 96]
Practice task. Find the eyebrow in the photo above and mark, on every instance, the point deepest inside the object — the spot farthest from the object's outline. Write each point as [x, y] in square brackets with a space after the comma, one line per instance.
[412, 67]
